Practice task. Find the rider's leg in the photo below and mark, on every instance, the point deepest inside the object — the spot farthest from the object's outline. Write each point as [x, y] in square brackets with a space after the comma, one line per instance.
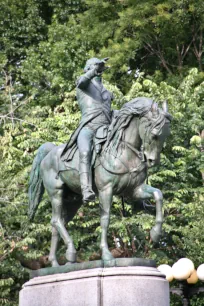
[84, 143]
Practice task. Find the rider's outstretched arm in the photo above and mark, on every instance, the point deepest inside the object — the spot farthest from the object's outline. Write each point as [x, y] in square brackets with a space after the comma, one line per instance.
[85, 79]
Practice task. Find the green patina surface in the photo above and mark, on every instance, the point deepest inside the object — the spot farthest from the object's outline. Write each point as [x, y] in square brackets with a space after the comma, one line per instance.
[119, 262]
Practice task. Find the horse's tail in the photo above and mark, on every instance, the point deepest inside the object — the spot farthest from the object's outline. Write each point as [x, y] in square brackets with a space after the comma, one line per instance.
[36, 187]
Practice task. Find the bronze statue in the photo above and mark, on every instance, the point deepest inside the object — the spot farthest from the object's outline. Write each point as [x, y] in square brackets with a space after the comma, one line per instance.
[134, 141]
[95, 105]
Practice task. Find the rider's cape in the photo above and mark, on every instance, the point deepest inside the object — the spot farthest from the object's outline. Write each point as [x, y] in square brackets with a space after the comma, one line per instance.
[71, 146]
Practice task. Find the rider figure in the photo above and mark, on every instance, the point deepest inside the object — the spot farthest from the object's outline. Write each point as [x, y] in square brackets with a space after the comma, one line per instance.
[95, 105]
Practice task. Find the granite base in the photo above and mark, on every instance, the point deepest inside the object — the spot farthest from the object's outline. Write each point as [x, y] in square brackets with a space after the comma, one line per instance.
[113, 286]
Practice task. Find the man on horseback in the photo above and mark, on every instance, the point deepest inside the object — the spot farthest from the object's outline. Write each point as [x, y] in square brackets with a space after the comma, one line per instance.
[95, 105]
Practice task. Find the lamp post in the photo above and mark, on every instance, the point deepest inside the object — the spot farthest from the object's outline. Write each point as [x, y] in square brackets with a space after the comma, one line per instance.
[184, 271]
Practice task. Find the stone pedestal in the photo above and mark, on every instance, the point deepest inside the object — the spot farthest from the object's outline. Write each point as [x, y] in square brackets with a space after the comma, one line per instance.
[116, 286]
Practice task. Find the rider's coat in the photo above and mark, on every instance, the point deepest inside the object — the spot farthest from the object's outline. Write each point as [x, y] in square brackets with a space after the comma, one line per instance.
[95, 105]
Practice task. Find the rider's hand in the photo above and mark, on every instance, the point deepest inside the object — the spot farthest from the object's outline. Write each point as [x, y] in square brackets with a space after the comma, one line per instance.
[100, 67]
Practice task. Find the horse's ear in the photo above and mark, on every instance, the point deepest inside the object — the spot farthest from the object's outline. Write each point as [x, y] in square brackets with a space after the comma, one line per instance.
[155, 112]
[165, 106]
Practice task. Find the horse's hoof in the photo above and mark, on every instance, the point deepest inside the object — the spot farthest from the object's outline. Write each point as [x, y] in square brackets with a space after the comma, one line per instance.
[155, 236]
[107, 256]
[71, 256]
[55, 263]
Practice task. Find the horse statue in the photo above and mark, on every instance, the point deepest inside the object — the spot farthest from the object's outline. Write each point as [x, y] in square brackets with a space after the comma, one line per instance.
[134, 143]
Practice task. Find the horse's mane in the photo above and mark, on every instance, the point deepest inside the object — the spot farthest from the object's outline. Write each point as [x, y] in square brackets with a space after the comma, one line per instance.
[137, 107]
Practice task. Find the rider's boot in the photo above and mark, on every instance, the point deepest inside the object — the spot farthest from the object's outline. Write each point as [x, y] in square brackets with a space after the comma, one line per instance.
[87, 192]
[86, 178]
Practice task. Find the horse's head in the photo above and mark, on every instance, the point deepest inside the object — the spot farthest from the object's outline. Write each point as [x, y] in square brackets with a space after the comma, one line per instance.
[153, 129]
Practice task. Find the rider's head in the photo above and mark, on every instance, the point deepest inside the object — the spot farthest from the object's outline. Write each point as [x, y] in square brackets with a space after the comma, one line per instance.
[90, 63]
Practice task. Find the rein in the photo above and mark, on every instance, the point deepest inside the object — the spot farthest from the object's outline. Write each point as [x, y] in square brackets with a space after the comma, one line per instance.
[129, 171]
[139, 154]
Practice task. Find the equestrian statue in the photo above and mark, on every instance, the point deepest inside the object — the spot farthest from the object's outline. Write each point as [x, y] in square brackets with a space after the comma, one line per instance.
[108, 154]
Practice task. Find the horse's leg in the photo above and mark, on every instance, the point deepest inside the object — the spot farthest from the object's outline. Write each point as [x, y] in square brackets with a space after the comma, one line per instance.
[58, 223]
[146, 192]
[69, 208]
[53, 248]
[105, 198]
[56, 189]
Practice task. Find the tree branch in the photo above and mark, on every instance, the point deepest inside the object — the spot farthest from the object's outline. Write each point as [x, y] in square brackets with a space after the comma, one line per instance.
[14, 118]
[159, 54]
